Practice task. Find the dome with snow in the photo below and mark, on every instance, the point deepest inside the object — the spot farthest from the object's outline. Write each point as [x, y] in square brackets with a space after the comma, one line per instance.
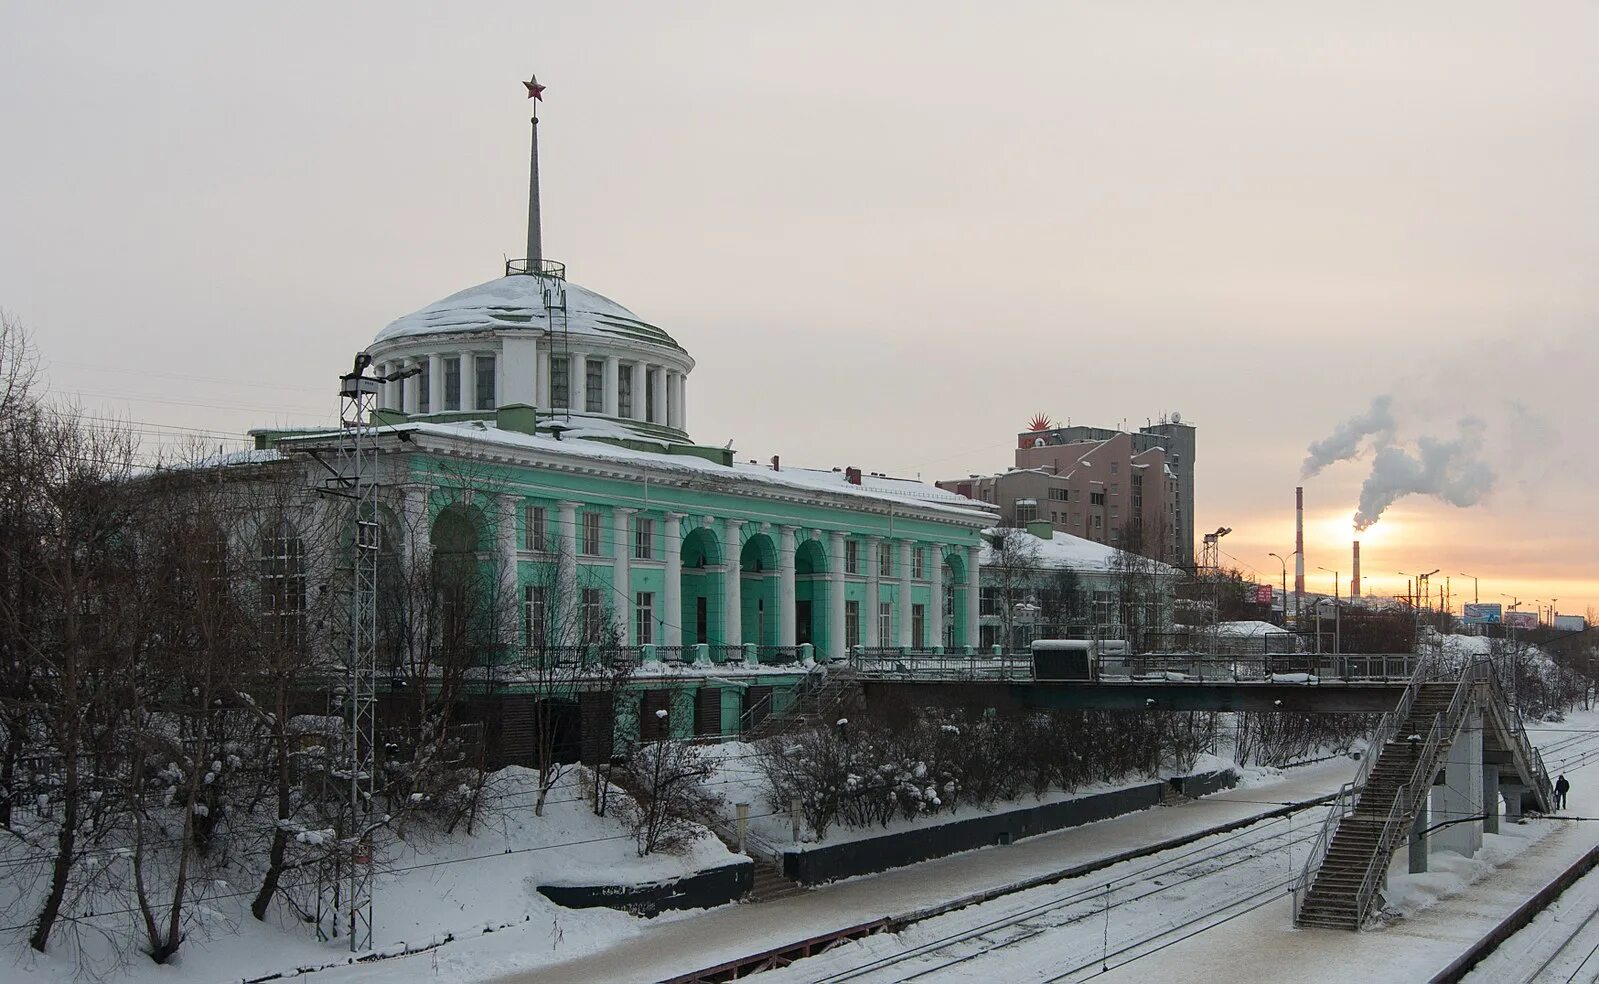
[534, 338]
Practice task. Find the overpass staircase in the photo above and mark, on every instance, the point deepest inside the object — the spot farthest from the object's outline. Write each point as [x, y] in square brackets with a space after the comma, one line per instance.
[1340, 884]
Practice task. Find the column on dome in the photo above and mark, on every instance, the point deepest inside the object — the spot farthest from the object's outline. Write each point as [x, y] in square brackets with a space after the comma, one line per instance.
[577, 380]
[411, 388]
[613, 384]
[621, 573]
[639, 388]
[935, 604]
[682, 403]
[973, 599]
[567, 612]
[435, 371]
[732, 576]
[835, 595]
[545, 400]
[672, 378]
[785, 585]
[386, 398]
[660, 395]
[873, 591]
[468, 380]
[904, 639]
[672, 602]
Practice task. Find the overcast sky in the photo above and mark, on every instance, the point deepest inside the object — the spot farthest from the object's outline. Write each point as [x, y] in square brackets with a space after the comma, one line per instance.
[889, 233]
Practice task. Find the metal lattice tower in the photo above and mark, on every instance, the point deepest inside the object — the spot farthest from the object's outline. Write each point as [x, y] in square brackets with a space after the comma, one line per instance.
[358, 398]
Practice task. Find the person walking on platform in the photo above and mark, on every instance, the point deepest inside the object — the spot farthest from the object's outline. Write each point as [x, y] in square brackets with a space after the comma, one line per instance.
[1562, 787]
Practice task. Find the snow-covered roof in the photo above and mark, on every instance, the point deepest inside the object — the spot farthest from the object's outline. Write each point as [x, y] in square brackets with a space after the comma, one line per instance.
[1247, 629]
[517, 301]
[1066, 552]
[709, 474]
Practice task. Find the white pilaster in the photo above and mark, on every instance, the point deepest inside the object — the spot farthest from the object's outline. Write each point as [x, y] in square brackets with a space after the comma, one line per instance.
[435, 383]
[835, 595]
[904, 594]
[468, 380]
[871, 636]
[621, 573]
[935, 607]
[672, 616]
[506, 541]
[973, 599]
[613, 388]
[785, 585]
[733, 597]
[566, 629]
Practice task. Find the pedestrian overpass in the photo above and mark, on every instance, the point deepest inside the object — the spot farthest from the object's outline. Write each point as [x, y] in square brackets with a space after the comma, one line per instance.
[1448, 746]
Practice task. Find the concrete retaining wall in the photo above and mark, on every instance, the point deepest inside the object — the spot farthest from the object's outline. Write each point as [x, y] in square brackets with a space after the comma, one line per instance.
[700, 890]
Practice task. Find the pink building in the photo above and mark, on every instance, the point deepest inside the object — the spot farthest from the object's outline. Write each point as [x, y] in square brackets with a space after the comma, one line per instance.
[1102, 490]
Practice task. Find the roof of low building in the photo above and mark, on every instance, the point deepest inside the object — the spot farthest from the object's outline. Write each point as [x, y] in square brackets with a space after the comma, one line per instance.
[1062, 551]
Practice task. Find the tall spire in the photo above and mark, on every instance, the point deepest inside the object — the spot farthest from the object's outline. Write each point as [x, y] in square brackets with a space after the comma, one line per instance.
[535, 239]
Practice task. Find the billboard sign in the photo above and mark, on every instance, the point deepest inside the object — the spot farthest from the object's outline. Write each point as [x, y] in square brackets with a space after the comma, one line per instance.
[1521, 620]
[1486, 613]
[1263, 595]
[1571, 623]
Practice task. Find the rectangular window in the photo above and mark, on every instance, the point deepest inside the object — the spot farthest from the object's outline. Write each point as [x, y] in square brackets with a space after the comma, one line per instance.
[852, 624]
[485, 382]
[644, 618]
[1115, 488]
[988, 600]
[1105, 608]
[885, 624]
[591, 534]
[424, 389]
[852, 557]
[918, 626]
[533, 616]
[885, 560]
[593, 615]
[649, 395]
[282, 579]
[1026, 510]
[1114, 466]
[594, 385]
[533, 528]
[560, 383]
[452, 384]
[1096, 498]
[918, 564]
[644, 539]
[624, 392]
[1058, 495]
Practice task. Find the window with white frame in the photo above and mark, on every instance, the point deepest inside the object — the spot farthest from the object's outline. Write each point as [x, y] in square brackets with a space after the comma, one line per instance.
[885, 623]
[918, 626]
[852, 624]
[644, 538]
[852, 557]
[594, 385]
[593, 615]
[624, 391]
[452, 383]
[644, 618]
[1026, 510]
[533, 621]
[591, 534]
[918, 563]
[485, 382]
[533, 528]
[885, 560]
[282, 579]
[560, 382]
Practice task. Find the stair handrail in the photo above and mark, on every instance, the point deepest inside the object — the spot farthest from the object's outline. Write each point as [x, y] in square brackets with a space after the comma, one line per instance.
[1340, 807]
[1518, 732]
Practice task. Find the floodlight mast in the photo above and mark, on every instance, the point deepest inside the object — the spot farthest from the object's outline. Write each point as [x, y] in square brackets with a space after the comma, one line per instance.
[358, 399]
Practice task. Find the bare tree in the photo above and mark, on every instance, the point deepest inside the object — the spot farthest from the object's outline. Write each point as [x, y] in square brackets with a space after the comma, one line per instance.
[1013, 577]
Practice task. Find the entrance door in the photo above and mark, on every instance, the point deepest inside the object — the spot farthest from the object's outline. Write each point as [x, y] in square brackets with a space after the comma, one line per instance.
[802, 622]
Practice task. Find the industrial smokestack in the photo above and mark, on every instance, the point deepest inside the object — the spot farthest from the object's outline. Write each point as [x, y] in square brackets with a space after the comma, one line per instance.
[1354, 582]
[1299, 550]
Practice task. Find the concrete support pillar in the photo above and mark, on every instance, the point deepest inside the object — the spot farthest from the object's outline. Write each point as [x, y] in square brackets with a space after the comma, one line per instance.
[835, 595]
[468, 380]
[578, 377]
[435, 373]
[1419, 836]
[566, 618]
[785, 585]
[873, 591]
[973, 599]
[613, 388]
[1490, 799]
[622, 573]
[1462, 789]
[935, 606]
[904, 561]
[732, 585]
[672, 616]
[1513, 793]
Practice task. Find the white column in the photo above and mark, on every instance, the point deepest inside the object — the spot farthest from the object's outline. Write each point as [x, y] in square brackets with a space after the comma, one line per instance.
[411, 389]
[682, 403]
[660, 394]
[904, 593]
[435, 383]
[672, 617]
[732, 594]
[507, 544]
[545, 402]
[636, 410]
[621, 573]
[565, 629]
[468, 380]
[973, 599]
[613, 387]
[835, 595]
[935, 608]
[672, 380]
[873, 589]
[578, 377]
[389, 402]
[785, 585]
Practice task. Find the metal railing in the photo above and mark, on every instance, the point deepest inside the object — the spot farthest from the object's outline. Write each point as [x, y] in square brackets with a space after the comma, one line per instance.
[1524, 746]
[778, 655]
[536, 268]
[942, 666]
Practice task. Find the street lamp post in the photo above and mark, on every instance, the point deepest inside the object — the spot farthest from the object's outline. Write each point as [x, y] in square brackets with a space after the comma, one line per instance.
[1474, 598]
[1337, 612]
[1284, 563]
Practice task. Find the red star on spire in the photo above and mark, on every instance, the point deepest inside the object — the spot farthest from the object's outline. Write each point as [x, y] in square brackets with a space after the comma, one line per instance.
[534, 90]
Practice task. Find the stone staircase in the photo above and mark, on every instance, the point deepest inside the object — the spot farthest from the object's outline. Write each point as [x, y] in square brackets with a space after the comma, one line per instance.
[1333, 900]
[824, 696]
[771, 885]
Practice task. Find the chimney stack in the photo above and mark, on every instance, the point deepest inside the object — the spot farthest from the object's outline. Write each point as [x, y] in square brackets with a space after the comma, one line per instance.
[1354, 582]
[1299, 550]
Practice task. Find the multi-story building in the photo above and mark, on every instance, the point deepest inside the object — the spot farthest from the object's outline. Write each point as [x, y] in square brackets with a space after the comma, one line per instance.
[1131, 490]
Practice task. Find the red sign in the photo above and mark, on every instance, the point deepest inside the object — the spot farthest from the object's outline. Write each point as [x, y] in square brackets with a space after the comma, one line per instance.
[1263, 594]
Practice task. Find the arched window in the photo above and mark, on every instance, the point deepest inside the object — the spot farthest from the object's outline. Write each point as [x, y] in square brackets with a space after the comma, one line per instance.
[281, 574]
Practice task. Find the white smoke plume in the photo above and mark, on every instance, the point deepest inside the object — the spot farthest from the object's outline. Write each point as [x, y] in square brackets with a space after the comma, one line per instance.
[1454, 471]
[1345, 440]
